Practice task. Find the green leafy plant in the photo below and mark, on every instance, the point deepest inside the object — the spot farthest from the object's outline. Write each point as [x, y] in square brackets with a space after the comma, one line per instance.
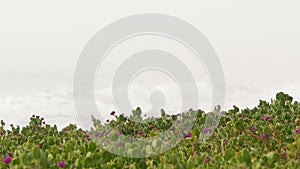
[266, 136]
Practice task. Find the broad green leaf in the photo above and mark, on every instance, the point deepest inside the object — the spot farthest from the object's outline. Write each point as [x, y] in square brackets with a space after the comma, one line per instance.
[240, 125]
[36, 153]
[229, 153]
[247, 158]
[87, 162]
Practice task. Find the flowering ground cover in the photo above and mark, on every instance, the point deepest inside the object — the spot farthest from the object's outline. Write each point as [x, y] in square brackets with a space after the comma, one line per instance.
[266, 136]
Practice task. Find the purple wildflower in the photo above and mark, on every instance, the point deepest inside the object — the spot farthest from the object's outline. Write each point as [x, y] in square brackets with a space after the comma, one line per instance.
[209, 146]
[207, 159]
[87, 135]
[297, 130]
[243, 116]
[264, 136]
[106, 133]
[207, 130]
[213, 124]
[189, 135]
[151, 127]
[96, 134]
[253, 128]
[7, 160]
[140, 132]
[112, 113]
[120, 133]
[10, 154]
[61, 164]
[119, 144]
[191, 109]
[88, 139]
[223, 125]
[266, 118]
[224, 142]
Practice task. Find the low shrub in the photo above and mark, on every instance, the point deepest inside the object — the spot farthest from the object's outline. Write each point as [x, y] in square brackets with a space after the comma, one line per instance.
[266, 136]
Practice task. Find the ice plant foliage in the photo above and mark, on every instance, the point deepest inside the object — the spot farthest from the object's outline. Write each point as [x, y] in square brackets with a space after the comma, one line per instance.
[266, 136]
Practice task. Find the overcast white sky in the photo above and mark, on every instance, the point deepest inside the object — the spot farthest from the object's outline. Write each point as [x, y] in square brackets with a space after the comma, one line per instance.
[257, 43]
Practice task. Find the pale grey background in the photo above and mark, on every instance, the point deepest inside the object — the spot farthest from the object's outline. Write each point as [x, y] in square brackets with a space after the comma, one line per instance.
[257, 43]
